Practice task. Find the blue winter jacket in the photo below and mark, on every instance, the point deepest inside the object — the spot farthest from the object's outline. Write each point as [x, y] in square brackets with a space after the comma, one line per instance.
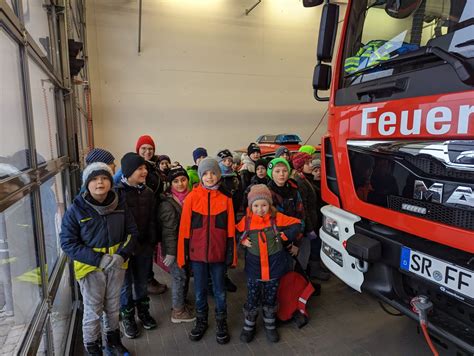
[88, 232]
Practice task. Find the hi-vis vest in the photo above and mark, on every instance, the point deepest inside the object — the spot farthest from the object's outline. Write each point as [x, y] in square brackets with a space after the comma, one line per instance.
[374, 52]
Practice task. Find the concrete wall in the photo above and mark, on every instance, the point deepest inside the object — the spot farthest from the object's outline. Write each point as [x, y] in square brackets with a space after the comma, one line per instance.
[207, 76]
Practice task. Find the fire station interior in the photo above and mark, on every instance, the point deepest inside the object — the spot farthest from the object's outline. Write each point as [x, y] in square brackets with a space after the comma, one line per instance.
[79, 74]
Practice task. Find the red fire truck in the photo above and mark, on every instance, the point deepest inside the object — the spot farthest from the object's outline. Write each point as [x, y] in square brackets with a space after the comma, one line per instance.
[398, 158]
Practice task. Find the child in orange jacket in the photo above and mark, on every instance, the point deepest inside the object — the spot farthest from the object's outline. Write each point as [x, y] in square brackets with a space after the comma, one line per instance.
[207, 240]
[266, 234]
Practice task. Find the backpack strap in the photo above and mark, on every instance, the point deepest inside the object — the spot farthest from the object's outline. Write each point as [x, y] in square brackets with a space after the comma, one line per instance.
[248, 220]
[274, 226]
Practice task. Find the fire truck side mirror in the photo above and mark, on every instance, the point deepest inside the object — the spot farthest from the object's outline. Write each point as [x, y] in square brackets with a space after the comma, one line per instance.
[321, 80]
[401, 9]
[327, 32]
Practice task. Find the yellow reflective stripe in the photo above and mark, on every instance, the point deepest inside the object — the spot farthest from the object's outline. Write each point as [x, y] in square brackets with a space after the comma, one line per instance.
[85, 219]
[32, 276]
[83, 269]
[4, 261]
[110, 250]
[352, 60]
[129, 237]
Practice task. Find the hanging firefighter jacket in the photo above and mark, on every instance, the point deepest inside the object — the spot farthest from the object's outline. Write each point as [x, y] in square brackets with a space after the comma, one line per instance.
[374, 52]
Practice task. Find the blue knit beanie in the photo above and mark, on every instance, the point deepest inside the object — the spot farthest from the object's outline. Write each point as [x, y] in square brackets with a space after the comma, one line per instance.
[198, 153]
[100, 155]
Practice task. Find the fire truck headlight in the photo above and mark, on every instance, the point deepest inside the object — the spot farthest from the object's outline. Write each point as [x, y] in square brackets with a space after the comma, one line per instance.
[331, 227]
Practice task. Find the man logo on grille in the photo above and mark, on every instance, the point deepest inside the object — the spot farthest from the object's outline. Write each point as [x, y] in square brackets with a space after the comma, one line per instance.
[432, 194]
[462, 196]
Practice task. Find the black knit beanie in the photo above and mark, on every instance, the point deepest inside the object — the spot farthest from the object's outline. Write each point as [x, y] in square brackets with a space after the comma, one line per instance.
[176, 172]
[130, 162]
[253, 147]
[261, 162]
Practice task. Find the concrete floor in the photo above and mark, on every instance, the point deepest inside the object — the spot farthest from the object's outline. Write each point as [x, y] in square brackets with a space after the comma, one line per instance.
[343, 322]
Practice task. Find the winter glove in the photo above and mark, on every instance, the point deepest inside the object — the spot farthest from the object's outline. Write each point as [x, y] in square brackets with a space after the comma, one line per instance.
[117, 262]
[168, 260]
[105, 261]
[229, 256]
[312, 235]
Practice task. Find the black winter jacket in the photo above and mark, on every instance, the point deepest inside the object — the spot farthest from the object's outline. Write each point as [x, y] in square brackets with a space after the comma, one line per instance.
[310, 203]
[232, 185]
[141, 203]
[153, 179]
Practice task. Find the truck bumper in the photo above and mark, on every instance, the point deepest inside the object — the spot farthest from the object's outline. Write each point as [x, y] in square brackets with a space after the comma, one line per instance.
[333, 252]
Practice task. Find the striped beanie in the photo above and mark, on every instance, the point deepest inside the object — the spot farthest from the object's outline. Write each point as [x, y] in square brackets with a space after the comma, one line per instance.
[300, 159]
[100, 155]
[95, 169]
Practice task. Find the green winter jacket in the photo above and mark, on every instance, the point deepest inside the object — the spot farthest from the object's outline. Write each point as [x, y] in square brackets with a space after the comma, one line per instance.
[193, 176]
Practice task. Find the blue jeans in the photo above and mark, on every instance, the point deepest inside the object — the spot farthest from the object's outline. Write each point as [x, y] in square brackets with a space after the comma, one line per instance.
[136, 278]
[217, 273]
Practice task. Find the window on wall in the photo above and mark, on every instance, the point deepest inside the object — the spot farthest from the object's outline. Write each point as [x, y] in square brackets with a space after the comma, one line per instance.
[20, 285]
[61, 313]
[81, 108]
[75, 19]
[52, 211]
[36, 22]
[44, 113]
[13, 135]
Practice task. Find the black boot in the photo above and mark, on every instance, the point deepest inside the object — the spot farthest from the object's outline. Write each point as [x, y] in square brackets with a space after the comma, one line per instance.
[94, 348]
[200, 327]
[248, 331]
[269, 320]
[222, 331]
[229, 285]
[114, 345]
[143, 309]
[129, 325]
[315, 270]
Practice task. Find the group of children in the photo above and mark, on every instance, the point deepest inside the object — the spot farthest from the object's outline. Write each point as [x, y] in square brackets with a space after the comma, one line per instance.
[113, 226]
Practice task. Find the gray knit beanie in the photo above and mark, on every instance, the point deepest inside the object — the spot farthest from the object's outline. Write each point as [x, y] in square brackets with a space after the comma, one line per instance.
[316, 163]
[281, 150]
[209, 164]
[96, 169]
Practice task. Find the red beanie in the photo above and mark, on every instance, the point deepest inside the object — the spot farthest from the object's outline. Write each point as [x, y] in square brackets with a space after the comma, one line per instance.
[145, 140]
[299, 159]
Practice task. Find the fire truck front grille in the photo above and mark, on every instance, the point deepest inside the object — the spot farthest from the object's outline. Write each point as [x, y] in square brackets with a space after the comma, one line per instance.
[436, 212]
[434, 168]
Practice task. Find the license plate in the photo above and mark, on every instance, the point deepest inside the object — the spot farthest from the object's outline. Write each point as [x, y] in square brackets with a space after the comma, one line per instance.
[454, 280]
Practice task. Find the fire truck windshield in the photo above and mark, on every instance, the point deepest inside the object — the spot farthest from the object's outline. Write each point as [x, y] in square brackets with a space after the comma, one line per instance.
[374, 36]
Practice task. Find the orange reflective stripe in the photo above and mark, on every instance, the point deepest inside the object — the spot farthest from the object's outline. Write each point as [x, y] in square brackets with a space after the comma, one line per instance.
[262, 244]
